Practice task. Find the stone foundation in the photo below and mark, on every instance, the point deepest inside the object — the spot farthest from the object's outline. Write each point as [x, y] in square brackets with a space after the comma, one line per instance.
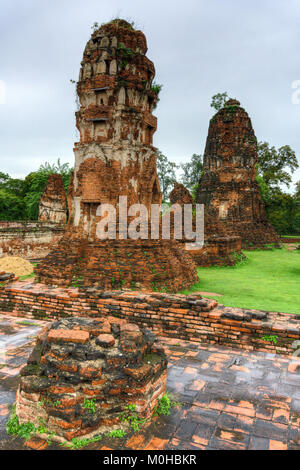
[83, 373]
[218, 252]
[177, 316]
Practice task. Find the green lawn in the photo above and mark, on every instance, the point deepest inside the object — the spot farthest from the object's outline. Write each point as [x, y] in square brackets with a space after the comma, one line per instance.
[268, 280]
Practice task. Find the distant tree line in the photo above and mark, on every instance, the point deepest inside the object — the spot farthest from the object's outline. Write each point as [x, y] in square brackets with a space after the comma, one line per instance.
[20, 198]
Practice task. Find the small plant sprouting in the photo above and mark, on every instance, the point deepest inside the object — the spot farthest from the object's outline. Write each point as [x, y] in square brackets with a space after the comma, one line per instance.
[26, 430]
[164, 405]
[47, 401]
[95, 27]
[118, 433]
[156, 87]
[89, 405]
[130, 416]
[78, 443]
[270, 338]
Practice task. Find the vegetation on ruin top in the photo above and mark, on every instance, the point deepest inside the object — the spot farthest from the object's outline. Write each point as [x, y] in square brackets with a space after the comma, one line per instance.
[268, 280]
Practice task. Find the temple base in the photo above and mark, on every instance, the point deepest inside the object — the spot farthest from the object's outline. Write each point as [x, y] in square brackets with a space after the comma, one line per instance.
[160, 265]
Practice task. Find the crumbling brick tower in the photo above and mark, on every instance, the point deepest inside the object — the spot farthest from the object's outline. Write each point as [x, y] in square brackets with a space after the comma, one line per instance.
[228, 187]
[53, 206]
[115, 157]
[219, 247]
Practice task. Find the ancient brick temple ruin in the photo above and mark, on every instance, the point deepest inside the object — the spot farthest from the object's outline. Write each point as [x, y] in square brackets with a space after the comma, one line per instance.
[115, 157]
[228, 187]
[83, 373]
[219, 248]
[180, 195]
[53, 206]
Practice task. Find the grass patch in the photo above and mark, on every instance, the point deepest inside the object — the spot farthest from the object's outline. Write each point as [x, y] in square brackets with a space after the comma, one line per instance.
[268, 280]
[290, 236]
[27, 276]
[26, 323]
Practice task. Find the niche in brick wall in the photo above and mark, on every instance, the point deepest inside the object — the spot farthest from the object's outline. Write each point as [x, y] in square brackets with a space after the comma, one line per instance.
[156, 194]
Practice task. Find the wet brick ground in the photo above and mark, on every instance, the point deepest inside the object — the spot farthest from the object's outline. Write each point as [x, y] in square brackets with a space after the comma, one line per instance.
[231, 399]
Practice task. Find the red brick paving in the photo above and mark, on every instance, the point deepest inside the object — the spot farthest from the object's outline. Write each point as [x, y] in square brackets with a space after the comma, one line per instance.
[230, 399]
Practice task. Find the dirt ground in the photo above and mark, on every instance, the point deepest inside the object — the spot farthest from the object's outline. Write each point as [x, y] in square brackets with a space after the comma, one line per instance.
[16, 265]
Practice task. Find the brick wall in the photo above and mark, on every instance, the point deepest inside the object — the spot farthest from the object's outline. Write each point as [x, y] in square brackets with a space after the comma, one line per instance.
[178, 316]
[29, 239]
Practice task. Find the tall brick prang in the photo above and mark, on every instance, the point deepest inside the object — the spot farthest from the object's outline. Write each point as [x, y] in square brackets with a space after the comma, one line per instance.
[115, 157]
[228, 187]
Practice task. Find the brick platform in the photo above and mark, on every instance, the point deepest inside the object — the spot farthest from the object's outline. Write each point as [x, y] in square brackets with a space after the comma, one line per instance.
[176, 316]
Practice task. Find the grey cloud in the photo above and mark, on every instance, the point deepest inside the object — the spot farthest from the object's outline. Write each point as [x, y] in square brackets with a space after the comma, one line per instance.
[249, 49]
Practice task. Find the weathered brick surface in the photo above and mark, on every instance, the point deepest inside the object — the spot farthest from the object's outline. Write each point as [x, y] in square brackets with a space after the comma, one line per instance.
[176, 316]
[219, 248]
[57, 391]
[115, 157]
[53, 205]
[228, 187]
[72, 336]
[29, 239]
[180, 195]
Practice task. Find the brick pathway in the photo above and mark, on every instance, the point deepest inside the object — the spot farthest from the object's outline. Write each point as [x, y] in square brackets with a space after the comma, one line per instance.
[231, 399]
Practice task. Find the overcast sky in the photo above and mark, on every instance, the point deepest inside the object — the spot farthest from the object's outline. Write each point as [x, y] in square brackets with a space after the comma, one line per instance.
[199, 48]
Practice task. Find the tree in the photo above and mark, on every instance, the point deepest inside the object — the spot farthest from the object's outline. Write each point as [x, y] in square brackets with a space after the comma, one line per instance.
[218, 101]
[11, 198]
[12, 207]
[166, 174]
[297, 193]
[281, 209]
[276, 166]
[192, 172]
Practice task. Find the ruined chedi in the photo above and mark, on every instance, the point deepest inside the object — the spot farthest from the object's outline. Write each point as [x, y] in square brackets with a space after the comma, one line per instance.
[115, 157]
[105, 360]
[219, 247]
[53, 206]
[228, 187]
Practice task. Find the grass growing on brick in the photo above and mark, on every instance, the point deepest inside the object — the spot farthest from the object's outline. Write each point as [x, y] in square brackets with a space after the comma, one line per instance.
[268, 280]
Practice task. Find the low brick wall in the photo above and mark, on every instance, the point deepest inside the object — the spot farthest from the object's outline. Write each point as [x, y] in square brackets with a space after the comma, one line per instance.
[177, 316]
[290, 240]
[28, 239]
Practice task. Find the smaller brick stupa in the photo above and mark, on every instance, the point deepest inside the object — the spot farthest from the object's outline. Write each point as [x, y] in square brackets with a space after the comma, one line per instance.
[84, 372]
[228, 186]
[53, 206]
[219, 248]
